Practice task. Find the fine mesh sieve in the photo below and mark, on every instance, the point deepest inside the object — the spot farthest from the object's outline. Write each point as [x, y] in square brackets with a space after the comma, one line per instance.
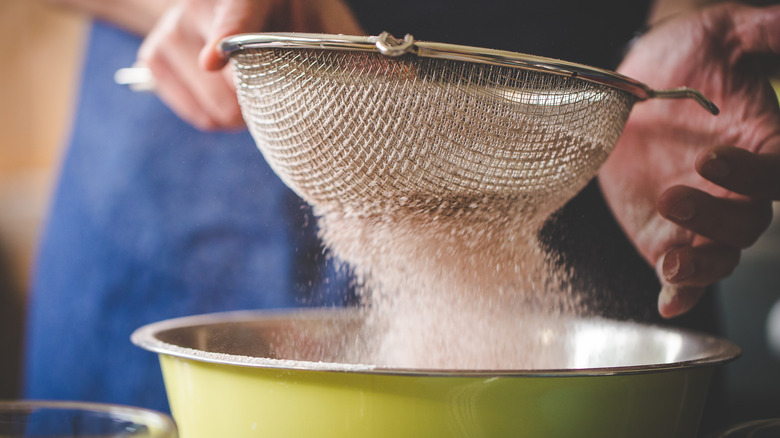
[351, 123]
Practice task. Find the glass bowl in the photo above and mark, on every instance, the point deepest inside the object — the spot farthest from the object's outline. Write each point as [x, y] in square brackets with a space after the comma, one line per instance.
[40, 418]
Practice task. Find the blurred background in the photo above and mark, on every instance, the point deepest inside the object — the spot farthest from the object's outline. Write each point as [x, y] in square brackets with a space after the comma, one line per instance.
[750, 300]
[38, 81]
[41, 47]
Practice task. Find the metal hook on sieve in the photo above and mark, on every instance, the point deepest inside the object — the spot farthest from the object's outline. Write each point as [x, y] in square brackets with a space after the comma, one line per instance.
[137, 78]
[392, 46]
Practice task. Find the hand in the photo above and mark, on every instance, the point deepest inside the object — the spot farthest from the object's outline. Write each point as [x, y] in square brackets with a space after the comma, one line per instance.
[690, 189]
[181, 51]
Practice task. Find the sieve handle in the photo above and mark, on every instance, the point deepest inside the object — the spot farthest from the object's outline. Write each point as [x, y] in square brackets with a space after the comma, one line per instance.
[685, 93]
[136, 78]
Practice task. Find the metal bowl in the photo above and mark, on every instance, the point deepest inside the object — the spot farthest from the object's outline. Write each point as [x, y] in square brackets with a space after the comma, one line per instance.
[280, 374]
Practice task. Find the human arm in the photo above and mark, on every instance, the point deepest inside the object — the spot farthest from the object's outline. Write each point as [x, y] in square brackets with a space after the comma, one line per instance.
[137, 16]
[189, 71]
[691, 190]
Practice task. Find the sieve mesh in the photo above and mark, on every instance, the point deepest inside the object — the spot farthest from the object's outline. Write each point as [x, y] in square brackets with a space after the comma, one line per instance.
[431, 168]
[349, 129]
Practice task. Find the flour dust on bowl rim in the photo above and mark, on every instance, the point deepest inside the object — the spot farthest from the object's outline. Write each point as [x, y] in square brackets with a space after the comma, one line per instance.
[284, 374]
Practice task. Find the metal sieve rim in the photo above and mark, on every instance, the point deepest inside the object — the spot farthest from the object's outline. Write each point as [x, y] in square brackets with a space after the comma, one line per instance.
[386, 44]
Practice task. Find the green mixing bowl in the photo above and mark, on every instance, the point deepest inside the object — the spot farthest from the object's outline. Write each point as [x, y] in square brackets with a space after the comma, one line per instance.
[279, 374]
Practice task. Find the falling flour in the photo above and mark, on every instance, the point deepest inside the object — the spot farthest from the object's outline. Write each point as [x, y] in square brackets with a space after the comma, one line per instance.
[431, 179]
[451, 283]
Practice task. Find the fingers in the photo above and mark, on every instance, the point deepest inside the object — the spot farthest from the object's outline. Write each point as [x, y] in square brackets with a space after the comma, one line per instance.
[734, 223]
[204, 99]
[232, 17]
[686, 272]
[758, 29]
[729, 224]
[183, 56]
[178, 97]
[674, 301]
[698, 266]
[741, 171]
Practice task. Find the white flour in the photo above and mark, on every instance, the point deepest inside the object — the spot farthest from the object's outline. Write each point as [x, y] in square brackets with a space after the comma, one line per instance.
[450, 284]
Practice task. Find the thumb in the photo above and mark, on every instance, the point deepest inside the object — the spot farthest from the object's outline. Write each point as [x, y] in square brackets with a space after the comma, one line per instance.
[674, 299]
[232, 17]
[677, 300]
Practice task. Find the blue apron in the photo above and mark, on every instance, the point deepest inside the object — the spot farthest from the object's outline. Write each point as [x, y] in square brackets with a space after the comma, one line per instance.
[151, 220]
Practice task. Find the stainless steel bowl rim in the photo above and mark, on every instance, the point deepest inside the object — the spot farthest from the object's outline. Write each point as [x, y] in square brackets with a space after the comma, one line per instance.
[145, 337]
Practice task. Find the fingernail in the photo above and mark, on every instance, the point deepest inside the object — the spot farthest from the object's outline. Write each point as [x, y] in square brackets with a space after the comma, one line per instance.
[665, 299]
[682, 210]
[674, 270]
[715, 166]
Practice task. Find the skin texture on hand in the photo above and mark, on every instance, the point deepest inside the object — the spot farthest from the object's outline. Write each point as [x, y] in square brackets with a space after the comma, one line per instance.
[181, 51]
[690, 189]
